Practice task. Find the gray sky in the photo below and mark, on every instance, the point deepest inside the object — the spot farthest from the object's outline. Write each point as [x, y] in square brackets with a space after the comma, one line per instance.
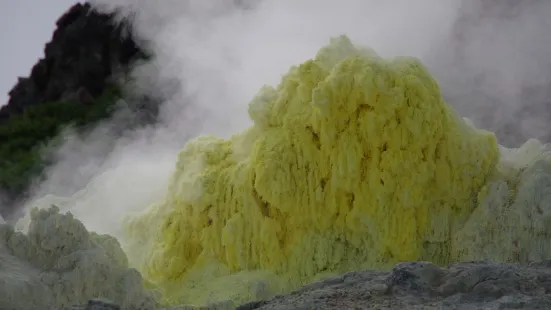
[25, 26]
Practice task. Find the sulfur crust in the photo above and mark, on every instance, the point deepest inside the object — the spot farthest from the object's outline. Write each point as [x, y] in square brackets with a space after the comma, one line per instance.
[353, 162]
[58, 263]
[511, 222]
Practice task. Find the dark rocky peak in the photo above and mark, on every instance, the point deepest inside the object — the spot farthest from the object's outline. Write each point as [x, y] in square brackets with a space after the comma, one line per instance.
[78, 83]
[85, 52]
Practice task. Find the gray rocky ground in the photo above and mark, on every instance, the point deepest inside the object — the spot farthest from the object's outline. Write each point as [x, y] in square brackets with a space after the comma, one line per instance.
[418, 285]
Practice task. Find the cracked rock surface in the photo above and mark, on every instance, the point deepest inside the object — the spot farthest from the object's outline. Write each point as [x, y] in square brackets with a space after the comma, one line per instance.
[422, 285]
[414, 285]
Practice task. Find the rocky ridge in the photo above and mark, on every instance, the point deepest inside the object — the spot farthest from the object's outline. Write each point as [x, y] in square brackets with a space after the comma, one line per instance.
[80, 80]
[423, 285]
[414, 285]
[86, 51]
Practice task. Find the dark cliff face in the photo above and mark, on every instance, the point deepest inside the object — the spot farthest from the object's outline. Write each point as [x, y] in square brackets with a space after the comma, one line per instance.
[78, 83]
[86, 49]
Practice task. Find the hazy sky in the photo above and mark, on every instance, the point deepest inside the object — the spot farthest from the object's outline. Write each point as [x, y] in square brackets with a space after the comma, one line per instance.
[25, 26]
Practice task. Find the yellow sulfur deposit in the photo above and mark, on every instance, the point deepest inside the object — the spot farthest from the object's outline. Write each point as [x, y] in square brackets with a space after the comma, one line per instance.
[353, 162]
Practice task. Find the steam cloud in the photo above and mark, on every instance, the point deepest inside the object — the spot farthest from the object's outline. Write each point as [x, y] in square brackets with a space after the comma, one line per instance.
[212, 56]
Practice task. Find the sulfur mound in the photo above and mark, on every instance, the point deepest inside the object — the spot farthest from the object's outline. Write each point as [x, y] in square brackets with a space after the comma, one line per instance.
[353, 162]
[511, 223]
[59, 263]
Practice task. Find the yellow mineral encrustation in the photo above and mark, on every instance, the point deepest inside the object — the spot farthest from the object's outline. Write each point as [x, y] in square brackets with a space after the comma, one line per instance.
[353, 161]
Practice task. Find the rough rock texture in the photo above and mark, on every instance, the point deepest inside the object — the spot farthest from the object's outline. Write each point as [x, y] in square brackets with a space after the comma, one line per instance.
[421, 285]
[86, 49]
[414, 285]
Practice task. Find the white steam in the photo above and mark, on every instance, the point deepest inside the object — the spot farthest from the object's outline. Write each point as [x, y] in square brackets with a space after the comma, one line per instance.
[495, 67]
[212, 57]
